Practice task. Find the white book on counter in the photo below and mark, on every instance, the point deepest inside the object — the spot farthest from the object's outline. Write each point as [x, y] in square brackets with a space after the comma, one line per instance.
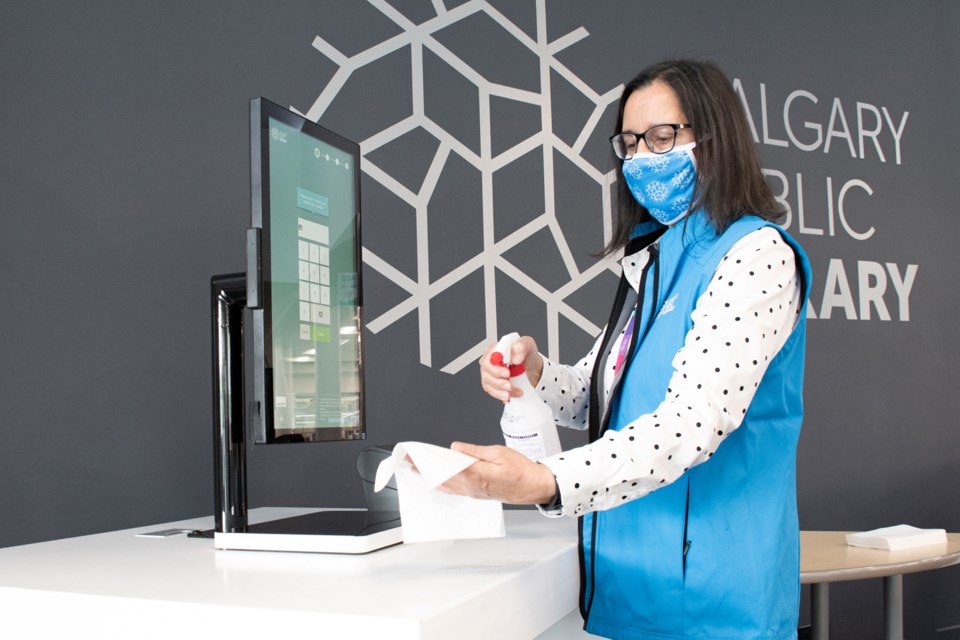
[896, 538]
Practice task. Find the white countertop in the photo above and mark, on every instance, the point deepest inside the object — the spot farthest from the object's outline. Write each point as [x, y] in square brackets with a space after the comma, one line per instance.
[119, 585]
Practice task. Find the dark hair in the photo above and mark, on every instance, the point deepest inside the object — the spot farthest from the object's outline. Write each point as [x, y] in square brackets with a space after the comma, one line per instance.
[729, 183]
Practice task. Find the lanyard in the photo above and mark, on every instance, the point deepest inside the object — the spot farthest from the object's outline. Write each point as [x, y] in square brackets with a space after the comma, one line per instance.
[625, 341]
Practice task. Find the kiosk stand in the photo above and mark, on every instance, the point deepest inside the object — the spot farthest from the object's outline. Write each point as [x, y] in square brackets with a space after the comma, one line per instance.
[325, 531]
[228, 297]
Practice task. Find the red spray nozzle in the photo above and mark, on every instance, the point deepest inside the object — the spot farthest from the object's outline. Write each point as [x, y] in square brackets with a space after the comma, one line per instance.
[500, 356]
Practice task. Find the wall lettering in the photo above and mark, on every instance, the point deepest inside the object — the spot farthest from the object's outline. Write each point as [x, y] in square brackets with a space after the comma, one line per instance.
[829, 207]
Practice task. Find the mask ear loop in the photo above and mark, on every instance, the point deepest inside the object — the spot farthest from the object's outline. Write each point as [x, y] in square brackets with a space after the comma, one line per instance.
[707, 137]
[688, 149]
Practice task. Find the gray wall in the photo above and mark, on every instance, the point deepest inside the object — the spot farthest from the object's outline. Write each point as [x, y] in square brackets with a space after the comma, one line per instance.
[123, 188]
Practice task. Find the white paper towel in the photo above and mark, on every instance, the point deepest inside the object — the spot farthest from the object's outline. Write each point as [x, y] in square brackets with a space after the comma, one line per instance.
[427, 514]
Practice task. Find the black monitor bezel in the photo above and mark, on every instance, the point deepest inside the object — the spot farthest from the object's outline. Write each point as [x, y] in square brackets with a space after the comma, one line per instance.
[261, 409]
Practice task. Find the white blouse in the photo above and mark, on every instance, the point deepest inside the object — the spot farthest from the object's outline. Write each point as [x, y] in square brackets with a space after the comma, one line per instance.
[740, 323]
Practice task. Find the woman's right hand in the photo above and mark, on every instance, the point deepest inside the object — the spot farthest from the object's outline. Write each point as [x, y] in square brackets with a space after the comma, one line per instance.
[495, 379]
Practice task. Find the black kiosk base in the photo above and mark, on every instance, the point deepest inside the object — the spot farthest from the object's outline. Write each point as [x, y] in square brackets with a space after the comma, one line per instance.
[327, 531]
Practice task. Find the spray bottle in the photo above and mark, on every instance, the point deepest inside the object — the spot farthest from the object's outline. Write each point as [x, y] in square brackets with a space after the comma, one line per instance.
[527, 421]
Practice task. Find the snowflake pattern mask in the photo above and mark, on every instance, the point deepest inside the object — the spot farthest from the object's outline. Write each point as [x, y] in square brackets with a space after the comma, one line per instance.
[663, 182]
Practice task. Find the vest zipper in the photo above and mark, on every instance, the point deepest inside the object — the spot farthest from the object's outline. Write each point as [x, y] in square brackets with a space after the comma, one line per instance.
[686, 539]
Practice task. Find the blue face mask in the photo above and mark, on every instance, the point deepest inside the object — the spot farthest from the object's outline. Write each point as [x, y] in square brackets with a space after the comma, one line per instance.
[663, 182]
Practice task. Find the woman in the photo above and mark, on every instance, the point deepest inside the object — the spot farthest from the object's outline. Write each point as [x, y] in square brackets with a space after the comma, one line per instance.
[692, 396]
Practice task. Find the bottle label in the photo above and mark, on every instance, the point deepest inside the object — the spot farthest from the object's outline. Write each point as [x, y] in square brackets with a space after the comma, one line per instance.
[531, 445]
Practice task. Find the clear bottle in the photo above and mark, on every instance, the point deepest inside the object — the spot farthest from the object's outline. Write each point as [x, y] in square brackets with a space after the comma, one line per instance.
[527, 422]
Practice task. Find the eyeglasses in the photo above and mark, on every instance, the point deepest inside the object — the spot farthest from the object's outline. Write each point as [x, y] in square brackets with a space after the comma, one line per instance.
[660, 138]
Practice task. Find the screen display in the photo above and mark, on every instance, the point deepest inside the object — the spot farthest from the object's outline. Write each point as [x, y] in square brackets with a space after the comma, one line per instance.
[310, 296]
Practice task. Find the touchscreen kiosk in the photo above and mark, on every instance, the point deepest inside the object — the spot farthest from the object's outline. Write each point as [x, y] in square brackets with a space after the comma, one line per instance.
[303, 288]
[308, 377]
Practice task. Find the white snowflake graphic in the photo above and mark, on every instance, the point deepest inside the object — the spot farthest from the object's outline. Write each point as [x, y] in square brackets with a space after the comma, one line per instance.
[658, 163]
[682, 178]
[638, 194]
[633, 169]
[419, 291]
[657, 191]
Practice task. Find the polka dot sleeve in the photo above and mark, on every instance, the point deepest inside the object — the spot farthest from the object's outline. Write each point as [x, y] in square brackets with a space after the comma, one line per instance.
[566, 389]
[739, 324]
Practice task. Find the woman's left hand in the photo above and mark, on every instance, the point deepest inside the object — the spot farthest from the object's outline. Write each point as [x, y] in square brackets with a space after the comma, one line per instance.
[501, 473]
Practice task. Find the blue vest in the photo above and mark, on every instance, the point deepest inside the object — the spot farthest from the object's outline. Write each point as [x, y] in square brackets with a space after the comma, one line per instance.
[715, 555]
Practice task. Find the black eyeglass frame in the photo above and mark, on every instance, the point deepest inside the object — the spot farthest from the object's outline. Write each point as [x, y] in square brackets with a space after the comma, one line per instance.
[643, 136]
